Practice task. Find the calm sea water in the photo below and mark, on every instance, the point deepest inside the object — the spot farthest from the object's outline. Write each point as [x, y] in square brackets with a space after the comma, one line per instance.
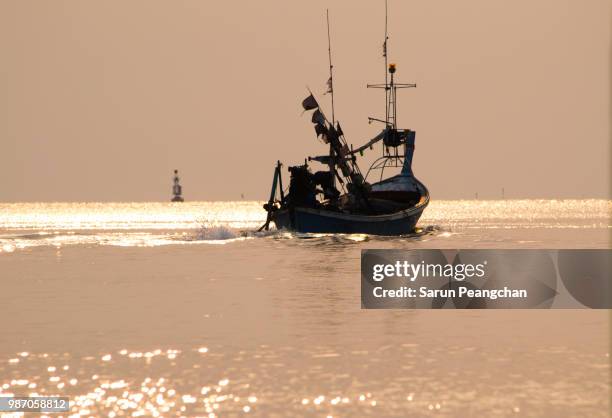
[161, 309]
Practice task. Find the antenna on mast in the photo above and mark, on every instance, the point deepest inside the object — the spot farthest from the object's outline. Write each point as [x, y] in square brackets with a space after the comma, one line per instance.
[331, 71]
[386, 64]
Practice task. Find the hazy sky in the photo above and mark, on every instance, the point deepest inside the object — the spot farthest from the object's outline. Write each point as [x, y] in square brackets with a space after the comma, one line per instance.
[102, 100]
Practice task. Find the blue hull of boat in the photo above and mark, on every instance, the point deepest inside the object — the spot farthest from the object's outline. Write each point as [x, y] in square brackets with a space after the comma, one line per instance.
[324, 221]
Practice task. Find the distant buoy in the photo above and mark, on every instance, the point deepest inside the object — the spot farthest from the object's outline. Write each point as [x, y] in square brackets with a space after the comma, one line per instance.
[177, 189]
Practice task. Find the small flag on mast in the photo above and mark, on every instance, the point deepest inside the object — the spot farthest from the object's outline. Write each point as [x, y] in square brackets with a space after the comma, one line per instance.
[310, 103]
[330, 86]
[339, 129]
[317, 117]
[320, 130]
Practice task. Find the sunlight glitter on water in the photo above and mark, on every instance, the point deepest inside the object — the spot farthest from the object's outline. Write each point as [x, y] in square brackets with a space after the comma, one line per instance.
[249, 214]
[153, 383]
[125, 216]
[24, 225]
[145, 394]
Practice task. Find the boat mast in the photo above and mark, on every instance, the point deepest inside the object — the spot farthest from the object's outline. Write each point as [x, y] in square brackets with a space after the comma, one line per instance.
[390, 87]
[386, 64]
[332, 163]
[392, 137]
[390, 91]
[331, 71]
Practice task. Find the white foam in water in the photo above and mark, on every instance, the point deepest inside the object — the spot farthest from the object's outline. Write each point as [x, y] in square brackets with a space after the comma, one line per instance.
[219, 232]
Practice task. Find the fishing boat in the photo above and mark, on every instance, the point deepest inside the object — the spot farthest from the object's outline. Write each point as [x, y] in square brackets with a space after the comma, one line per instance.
[339, 198]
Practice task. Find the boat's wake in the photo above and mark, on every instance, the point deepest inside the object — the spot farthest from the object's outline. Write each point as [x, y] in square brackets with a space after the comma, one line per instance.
[284, 234]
